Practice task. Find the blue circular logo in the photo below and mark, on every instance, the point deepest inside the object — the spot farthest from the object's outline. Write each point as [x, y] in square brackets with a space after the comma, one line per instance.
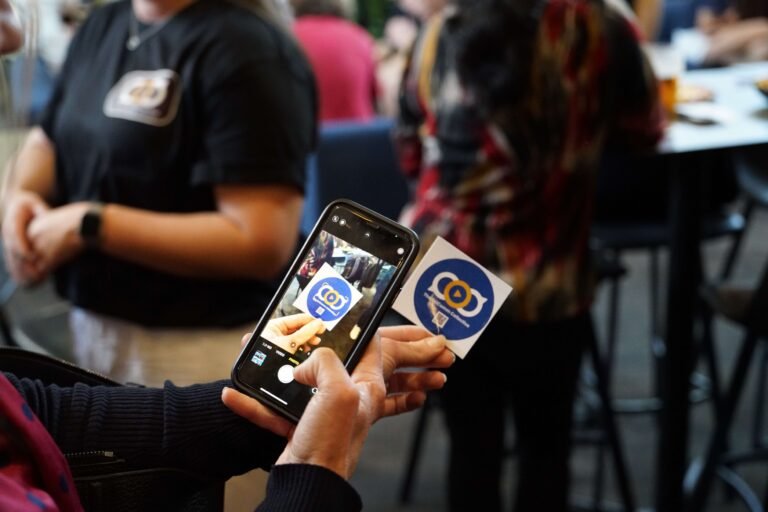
[454, 298]
[329, 299]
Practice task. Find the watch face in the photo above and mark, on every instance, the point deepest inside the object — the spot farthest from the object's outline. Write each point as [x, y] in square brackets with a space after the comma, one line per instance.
[90, 226]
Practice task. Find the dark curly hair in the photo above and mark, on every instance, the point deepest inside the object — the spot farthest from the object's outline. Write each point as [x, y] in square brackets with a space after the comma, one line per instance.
[495, 42]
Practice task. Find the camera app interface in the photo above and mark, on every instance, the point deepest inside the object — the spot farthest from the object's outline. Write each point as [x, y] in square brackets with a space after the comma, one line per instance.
[328, 303]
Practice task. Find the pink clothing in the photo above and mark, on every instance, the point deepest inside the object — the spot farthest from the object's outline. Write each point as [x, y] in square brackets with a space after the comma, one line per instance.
[34, 476]
[342, 57]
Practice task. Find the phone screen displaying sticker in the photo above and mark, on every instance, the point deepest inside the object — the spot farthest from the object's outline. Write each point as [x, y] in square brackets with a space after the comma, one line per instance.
[333, 296]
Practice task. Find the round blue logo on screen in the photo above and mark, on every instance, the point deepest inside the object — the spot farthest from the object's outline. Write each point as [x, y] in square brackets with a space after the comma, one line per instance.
[329, 299]
[454, 298]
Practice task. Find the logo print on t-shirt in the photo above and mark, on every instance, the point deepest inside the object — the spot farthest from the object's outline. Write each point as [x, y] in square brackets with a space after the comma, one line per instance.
[149, 97]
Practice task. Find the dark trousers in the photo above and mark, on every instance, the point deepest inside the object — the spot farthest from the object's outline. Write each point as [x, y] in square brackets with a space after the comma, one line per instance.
[535, 368]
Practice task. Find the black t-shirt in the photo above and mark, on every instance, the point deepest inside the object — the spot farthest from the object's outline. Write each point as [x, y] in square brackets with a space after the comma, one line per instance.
[217, 95]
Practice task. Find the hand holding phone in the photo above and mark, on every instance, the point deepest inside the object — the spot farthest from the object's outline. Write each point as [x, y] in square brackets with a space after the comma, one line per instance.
[388, 380]
[334, 295]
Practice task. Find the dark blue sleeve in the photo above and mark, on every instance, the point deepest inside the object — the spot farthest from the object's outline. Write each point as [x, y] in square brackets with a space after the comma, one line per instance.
[184, 427]
[306, 488]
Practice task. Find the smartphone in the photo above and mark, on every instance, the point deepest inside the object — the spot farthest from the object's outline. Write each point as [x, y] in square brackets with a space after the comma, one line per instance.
[334, 295]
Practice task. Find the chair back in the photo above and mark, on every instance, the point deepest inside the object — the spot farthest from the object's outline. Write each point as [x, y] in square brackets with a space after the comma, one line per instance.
[357, 161]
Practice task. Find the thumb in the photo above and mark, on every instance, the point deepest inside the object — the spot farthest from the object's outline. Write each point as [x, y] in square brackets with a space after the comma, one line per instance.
[323, 370]
[307, 332]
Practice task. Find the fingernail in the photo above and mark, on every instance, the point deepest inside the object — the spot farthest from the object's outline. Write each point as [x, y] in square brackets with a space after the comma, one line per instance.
[436, 341]
[445, 378]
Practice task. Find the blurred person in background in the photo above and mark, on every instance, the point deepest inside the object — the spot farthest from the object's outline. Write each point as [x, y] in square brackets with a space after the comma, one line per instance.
[163, 187]
[342, 56]
[400, 32]
[738, 33]
[506, 108]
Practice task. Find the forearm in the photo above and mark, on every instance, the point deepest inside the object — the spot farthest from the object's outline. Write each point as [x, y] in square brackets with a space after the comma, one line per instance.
[33, 168]
[732, 42]
[648, 16]
[187, 427]
[210, 244]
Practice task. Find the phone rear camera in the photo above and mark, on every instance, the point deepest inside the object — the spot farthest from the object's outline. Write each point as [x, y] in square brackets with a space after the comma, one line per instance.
[342, 222]
[368, 234]
[335, 218]
[400, 251]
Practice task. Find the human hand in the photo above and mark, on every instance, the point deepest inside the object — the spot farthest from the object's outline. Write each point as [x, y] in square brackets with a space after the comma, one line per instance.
[21, 259]
[743, 40]
[411, 359]
[11, 37]
[55, 235]
[328, 434]
[292, 332]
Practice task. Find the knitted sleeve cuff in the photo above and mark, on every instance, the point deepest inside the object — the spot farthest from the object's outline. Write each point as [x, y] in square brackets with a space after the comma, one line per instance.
[307, 488]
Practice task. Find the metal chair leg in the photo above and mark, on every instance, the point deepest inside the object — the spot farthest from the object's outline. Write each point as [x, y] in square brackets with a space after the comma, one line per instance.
[611, 431]
[719, 439]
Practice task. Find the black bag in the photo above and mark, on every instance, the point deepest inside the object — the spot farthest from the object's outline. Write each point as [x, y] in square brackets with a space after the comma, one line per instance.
[103, 483]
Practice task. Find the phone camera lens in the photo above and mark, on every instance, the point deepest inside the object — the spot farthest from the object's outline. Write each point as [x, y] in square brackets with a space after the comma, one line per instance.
[342, 222]
[368, 234]
[400, 251]
[335, 218]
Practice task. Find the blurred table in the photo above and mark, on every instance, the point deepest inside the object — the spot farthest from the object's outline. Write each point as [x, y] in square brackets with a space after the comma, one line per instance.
[744, 122]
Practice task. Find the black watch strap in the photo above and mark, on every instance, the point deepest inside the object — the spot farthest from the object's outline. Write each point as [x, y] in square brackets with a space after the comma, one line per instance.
[90, 225]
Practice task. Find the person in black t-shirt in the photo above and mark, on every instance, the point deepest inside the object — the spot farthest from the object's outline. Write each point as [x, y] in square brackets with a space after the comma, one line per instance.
[163, 188]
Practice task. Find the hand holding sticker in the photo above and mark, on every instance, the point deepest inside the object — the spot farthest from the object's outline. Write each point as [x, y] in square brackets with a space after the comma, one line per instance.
[292, 332]
[450, 294]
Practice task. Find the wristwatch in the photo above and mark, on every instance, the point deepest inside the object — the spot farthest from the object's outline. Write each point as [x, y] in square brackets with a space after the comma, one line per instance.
[90, 225]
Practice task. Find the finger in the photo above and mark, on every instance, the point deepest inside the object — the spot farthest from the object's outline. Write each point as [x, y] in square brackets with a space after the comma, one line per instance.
[399, 404]
[307, 332]
[255, 412]
[422, 353]
[322, 370]
[245, 338]
[404, 332]
[405, 382]
[293, 322]
[445, 359]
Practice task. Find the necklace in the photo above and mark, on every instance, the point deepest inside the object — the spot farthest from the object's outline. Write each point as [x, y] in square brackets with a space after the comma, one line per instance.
[135, 36]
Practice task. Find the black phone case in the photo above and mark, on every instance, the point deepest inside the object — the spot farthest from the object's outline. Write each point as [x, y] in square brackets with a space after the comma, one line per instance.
[365, 335]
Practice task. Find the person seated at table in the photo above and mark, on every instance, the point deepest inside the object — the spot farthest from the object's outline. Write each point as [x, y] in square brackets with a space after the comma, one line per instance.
[150, 428]
[506, 108]
[737, 34]
[342, 55]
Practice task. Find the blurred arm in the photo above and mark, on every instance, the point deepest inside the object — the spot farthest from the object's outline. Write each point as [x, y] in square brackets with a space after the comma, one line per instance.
[252, 234]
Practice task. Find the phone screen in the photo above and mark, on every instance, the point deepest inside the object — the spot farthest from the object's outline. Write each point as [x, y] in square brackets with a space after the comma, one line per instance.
[333, 295]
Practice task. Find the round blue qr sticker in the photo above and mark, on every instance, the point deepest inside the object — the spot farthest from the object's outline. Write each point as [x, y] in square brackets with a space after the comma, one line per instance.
[454, 298]
[329, 299]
